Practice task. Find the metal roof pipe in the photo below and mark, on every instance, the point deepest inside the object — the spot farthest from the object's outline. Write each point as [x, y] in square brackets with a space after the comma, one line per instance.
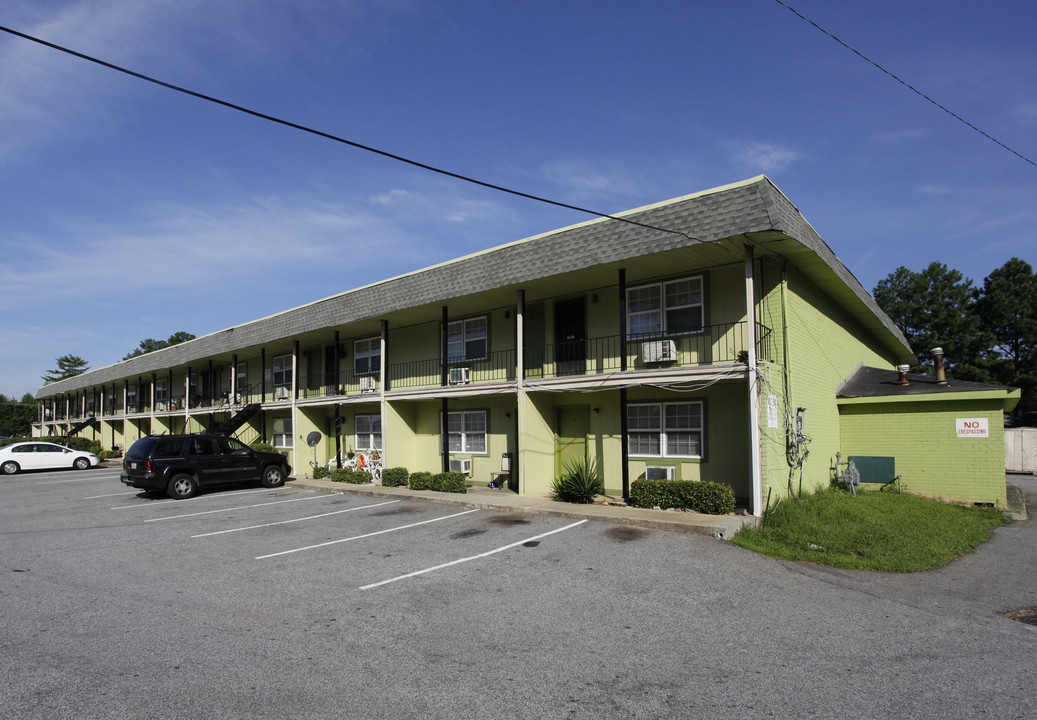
[902, 374]
[941, 372]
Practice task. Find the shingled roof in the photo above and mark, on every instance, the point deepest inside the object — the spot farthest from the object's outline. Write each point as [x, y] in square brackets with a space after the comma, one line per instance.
[741, 209]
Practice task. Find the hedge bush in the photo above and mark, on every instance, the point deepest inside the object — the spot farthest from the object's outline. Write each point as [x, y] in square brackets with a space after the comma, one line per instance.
[452, 482]
[394, 477]
[421, 481]
[319, 471]
[262, 447]
[703, 497]
[348, 475]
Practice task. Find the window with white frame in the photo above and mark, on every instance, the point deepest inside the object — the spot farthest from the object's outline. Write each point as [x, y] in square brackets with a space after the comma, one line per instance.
[666, 308]
[282, 432]
[161, 390]
[367, 356]
[466, 339]
[282, 370]
[467, 429]
[241, 377]
[131, 397]
[368, 432]
[672, 429]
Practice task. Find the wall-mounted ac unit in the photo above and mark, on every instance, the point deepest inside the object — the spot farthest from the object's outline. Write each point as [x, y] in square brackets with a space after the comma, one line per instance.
[659, 472]
[160, 406]
[367, 383]
[459, 376]
[461, 465]
[657, 351]
[281, 392]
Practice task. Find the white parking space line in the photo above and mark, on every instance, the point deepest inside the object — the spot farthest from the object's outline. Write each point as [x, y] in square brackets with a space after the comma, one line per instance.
[197, 498]
[76, 479]
[98, 497]
[295, 520]
[366, 535]
[471, 557]
[239, 507]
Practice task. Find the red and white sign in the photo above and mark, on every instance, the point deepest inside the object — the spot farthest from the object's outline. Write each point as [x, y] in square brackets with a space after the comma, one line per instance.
[972, 427]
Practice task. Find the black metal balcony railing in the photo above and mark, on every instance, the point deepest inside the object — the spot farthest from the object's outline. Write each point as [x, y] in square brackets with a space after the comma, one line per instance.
[497, 366]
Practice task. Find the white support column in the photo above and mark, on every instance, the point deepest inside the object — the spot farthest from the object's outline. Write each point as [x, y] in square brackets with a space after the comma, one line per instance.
[520, 390]
[754, 396]
[383, 408]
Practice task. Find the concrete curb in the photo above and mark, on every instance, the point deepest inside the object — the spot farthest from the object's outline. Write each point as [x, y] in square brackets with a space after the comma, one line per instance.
[722, 527]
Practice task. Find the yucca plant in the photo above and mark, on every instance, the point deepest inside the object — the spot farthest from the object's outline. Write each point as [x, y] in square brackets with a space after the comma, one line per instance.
[578, 483]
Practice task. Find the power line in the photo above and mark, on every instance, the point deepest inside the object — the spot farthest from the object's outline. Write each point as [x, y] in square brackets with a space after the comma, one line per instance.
[910, 87]
[335, 138]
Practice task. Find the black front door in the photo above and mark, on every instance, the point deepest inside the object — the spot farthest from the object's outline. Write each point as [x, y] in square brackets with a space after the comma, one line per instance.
[571, 336]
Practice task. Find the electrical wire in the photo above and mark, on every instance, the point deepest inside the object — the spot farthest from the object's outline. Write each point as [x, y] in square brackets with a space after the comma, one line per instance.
[338, 139]
[910, 87]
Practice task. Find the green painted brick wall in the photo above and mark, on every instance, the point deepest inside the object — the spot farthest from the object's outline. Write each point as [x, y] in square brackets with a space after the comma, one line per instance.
[932, 459]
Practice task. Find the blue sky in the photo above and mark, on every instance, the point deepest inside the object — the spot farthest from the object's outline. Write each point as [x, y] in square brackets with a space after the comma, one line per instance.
[128, 211]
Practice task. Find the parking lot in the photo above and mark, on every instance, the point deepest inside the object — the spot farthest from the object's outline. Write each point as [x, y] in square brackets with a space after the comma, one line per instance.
[288, 602]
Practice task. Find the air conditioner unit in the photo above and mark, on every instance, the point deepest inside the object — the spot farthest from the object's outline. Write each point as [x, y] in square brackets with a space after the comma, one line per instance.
[367, 383]
[461, 465]
[659, 472]
[459, 376]
[657, 351]
[160, 406]
[281, 392]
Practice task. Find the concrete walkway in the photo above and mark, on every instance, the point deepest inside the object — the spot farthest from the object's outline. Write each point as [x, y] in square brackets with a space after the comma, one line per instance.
[722, 527]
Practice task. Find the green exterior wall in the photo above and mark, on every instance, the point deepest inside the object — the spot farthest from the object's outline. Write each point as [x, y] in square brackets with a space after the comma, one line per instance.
[921, 435]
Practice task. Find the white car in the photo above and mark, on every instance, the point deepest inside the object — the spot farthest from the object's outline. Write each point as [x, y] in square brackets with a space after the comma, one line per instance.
[43, 456]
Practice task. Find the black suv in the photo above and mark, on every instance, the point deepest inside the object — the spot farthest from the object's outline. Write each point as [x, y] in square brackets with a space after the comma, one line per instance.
[180, 464]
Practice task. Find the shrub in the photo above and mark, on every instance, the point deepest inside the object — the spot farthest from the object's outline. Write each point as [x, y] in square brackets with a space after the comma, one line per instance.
[108, 454]
[319, 471]
[421, 481]
[704, 497]
[452, 482]
[394, 477]
[578, 483]
[359, 477]
[259, 446]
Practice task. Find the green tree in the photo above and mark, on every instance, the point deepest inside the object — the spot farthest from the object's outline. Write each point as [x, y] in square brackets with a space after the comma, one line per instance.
[1007, 307]
[148, 345]
[936, 308]
[16, 416]
[68, 366]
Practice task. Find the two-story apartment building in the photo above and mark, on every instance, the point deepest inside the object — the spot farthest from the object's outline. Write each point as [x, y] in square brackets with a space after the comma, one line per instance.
[700, 338]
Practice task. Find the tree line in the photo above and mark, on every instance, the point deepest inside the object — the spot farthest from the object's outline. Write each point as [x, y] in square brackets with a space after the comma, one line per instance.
[988, 332]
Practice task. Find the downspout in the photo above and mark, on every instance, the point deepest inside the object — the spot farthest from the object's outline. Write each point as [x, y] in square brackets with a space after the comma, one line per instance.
[754, 400]
[444, 435]
[520, 389]
[383, 408]
[624, 448]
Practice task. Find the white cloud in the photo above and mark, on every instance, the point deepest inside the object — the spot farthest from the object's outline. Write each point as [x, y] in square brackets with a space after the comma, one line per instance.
[763, 157]
[583, 178]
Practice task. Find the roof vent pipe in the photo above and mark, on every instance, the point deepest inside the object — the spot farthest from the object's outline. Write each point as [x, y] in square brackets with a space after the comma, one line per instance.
[941, 372]
[902, 374]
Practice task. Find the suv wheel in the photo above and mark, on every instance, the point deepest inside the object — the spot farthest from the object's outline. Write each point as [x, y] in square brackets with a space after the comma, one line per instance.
[273, 476]
[182, 487]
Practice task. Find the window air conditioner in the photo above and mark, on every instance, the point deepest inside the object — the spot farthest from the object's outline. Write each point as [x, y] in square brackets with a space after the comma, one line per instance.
[659, 472]
[367, 383]
[657, 351]
[461, 465]
[281, 392]
[160, 406]
[459, 376]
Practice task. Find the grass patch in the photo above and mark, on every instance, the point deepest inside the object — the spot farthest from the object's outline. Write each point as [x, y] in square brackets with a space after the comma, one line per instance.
[881, 531]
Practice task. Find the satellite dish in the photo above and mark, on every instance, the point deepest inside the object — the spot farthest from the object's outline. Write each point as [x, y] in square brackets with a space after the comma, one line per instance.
[313, 438]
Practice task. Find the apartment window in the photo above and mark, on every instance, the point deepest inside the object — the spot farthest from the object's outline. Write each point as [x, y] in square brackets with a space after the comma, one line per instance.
[367, 356]
[368, 432]
[161, 390]
[467, 430]
[131, 398]
[283, 432]
[466, 339]
[665, 429]
[282, 369]
[241, 377]
[666, 308]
